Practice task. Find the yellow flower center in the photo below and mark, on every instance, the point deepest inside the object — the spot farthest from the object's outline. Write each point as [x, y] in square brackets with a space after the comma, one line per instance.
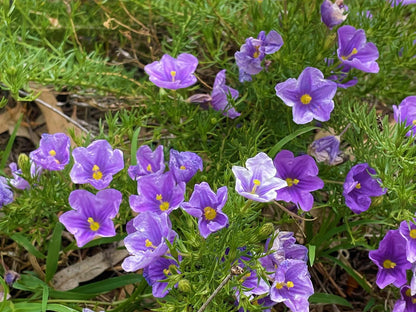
[414, 122]
[408, 293]
[96, 173]
[182, 167]
[256, 53]
[305, 99]
[358, 186]
[159, 197]
[164, 206]
[279, 285]
[354, 51]
[149, 168]
[288, 284]
[52, 152]
[173, 74]
[209, 213]
[148, 244]
[388, 264]
[290, 182]
[245, 276]
[94, 226]
[166, 272]
[256, 184]
[412, 234]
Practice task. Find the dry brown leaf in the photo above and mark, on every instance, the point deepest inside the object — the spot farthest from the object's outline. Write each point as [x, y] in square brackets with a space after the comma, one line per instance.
[8, 121]
[88, 269]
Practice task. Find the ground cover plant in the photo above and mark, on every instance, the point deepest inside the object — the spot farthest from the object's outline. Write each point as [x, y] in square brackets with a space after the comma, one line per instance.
[210, 155]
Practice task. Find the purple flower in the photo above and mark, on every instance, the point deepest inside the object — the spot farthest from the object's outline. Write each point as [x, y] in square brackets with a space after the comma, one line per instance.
[407, 303]
[300, 173]
[292, 285]
[171, 73]
[53, 151]
[96, 164]
[207, 206]
[326, 150]
[10, 277]
[17, 181]
[252, 53]
[92, 215]
[157, 193]
[408, 231]
[401, 2]
[159, 269]
[332, 14]
[148, 162]
[406, 113]
[310, 95]
[6, 194]
[359, 186]
[390, 257]
[252, 284]
[148, 242]
[258, 181]
[220, 94]
[354, 50]
[184, 165]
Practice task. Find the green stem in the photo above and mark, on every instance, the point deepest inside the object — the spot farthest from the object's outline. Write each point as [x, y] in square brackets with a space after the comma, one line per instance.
[246, 206]
[333, 182]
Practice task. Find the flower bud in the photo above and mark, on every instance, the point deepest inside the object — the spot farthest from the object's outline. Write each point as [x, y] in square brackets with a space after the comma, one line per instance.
[266, 230]
[326, 150]
[23, 161]
[184, 286]
[10, 277]
[332, 14]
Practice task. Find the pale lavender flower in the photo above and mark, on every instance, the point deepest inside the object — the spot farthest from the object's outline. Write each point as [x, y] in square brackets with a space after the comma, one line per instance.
[148, 162]
[158, 193]
[408, 231]
[258, 182]
[148, 242]
[301, 176]
[326, 150]
[292, 285]
[92, 215]
[310, 96]
[360, 186]
[332, 14]
[17, 181]
[355, 52]
[401, 2]
[184, 165]
[6, 194]
[220, 95]
[53, 152]
[171, 73]
[156, 271]
[207, 206]
[252, 53]
[390, 258]
[96, 164]
[406, 113]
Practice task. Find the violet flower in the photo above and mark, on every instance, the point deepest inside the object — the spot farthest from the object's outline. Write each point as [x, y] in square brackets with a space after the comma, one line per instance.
[148, 162]
[171, 73]
[17, 181]
[390, 258]
[53, 152]
[184, 165]
[252, 284]
[292, 285]
[6, 194]
[407, 303]
[157, 193]
[258, 182]
[401, 2]
[359, 186]
[301, 176]
[355, 52]
[148, 242]
[310, 96]
[406, 113]
[408, 231]
[92, 215]
[326, 150]
[220, 95]
[96, 164]
[332, 14]
[158, 270]
[252, 53]
[207, 206]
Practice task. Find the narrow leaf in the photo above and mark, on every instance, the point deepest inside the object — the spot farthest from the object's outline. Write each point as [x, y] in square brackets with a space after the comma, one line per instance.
[26, 244]
[53, 252]
[324, 298]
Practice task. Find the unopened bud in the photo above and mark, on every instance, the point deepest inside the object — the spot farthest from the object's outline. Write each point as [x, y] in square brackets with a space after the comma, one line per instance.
[266, 230]
[10, 277]
[23, 161]
[184, 286]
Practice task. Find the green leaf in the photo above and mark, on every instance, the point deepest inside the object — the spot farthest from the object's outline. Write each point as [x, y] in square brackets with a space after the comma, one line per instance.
[278, 146]
[26, 244]
[324, 298]
[134, 146]
[311, 253]
[45, 296]
[9, 146]
[53, 252]
[36, 307]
